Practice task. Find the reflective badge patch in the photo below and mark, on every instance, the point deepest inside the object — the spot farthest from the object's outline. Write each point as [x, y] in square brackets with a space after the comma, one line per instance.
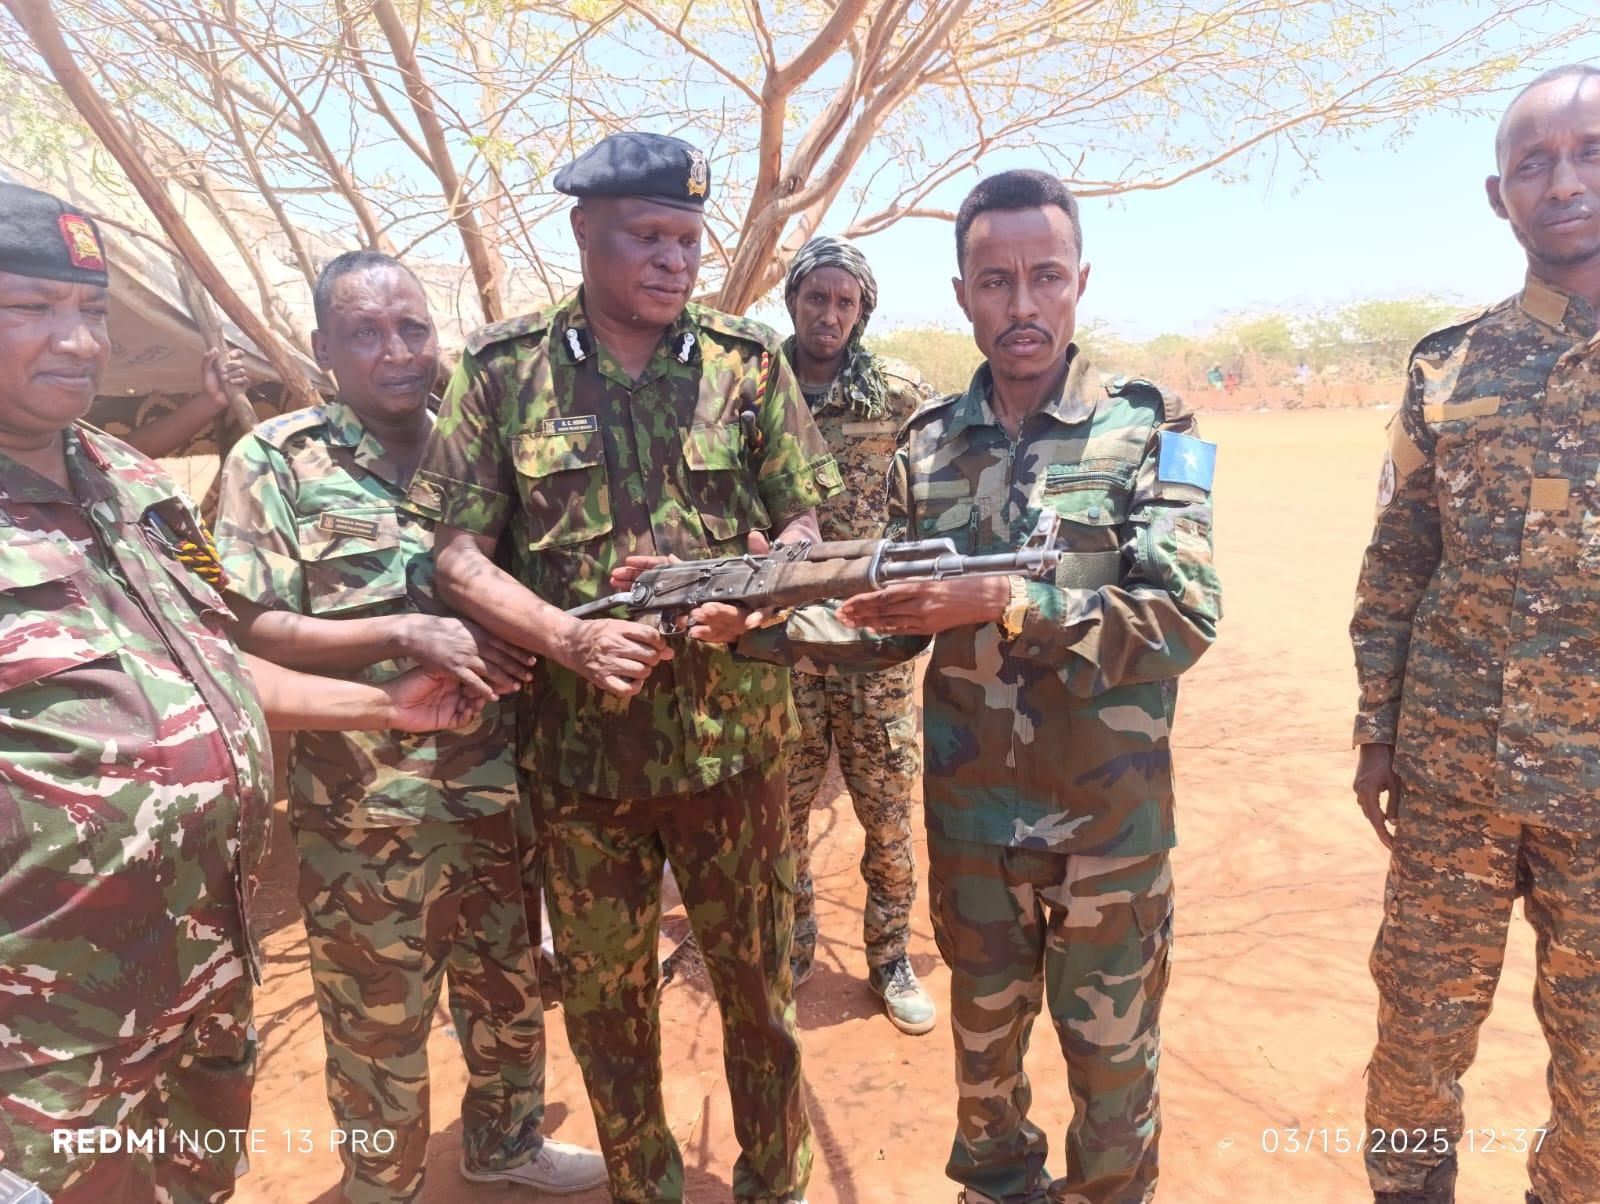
[1387, 482]
[1186, 460]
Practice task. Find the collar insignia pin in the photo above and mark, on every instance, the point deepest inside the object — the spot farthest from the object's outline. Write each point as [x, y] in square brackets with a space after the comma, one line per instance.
[575, 342]
[687, 348]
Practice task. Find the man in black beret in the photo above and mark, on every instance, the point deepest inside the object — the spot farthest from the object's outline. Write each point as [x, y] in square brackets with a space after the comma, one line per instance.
[624, 423]
[135, 783]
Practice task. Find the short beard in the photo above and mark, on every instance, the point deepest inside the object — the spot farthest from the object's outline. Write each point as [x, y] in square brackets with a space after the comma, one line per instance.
[1573, 260]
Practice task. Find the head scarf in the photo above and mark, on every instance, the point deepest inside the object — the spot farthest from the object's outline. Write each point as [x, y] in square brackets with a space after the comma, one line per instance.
[860, 382]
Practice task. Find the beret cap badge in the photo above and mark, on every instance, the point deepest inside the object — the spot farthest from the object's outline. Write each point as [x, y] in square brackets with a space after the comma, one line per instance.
[83, 248]
[699, 174]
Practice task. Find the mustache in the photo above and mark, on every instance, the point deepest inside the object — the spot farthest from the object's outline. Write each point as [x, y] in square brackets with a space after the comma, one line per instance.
[1023, 328]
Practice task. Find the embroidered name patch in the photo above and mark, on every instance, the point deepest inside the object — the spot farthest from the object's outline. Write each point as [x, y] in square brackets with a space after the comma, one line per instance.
[569, 426]
[343, 524]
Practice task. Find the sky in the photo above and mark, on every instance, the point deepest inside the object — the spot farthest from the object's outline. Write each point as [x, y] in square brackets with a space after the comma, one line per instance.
[1373, 221]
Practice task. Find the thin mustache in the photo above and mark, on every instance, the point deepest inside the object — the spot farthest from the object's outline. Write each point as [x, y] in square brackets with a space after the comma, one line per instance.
[1024, 328]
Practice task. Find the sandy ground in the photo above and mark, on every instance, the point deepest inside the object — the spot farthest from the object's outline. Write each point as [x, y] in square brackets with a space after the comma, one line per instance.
[1269, 1020]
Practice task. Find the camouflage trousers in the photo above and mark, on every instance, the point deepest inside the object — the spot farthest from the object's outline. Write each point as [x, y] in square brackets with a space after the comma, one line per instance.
[184, 1093]
[1454, 872]
[391, 913]
[871, 719]
[729, 848]
[1089, 936]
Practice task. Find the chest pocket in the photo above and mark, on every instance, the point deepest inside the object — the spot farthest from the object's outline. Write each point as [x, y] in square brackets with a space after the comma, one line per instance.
[352, 559]
[958, 519]
[1092, 501]
[1474, 517]
[565, 491]
[721, 484]
[46, 625]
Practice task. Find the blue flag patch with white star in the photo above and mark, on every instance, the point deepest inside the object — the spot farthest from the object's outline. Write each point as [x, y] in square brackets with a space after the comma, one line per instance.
[1186, 460]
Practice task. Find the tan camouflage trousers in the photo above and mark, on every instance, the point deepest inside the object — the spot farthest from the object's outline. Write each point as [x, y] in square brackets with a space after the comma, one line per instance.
[871, 719]
[391, 913]
[184, 1094]
[1455, 870]
[1089, 937]
[729, 848]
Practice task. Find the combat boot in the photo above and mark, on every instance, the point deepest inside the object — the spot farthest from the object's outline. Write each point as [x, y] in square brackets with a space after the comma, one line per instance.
[910, 1007]
[1438, 1188]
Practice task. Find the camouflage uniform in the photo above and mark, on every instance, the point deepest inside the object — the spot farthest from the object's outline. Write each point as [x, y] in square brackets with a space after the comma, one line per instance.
[543, 437]
[1048, 789]
[134, 798]
[869, 717]
[1477, 637]
[410, 861]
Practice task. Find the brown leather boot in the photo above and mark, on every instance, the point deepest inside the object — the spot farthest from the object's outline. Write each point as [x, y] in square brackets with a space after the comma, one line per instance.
[1438, 1188]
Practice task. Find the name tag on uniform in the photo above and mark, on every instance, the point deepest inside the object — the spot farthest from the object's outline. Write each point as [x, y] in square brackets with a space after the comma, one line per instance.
[888, 427]
[343, 524]
[569, 426]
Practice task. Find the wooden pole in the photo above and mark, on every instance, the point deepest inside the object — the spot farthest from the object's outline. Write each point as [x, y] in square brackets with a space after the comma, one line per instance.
[239, 407]
[39, 22]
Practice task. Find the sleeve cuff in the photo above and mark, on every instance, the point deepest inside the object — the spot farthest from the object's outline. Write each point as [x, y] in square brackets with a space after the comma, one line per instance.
[1377, 727]
[790, 493]
[1056, 623]
[464, 506]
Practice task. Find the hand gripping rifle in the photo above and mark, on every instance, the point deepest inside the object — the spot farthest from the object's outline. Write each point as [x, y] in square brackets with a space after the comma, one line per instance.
[797, 574]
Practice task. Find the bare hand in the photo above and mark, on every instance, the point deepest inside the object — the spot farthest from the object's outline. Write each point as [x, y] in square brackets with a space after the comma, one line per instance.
[928, 607]
[1375, 777]
[422, 702]
[615, 654]
[486, 665]
[218, 372]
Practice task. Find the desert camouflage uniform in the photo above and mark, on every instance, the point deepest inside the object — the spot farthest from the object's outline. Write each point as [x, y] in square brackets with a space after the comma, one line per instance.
[1477, 637]
[869, 717]
[1048, 789]
[410, 863]
[543, 437]
[134, 796]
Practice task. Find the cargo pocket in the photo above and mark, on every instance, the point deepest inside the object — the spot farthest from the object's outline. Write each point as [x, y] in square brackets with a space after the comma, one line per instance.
[720, 482]
[353, 560]
[1092, 502]
[778, 929]
[46, 624]
[565, 490]
[1153, 914]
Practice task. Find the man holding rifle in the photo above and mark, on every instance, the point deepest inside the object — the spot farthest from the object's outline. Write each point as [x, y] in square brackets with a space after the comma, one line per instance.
[627, 421]
[1048, 704]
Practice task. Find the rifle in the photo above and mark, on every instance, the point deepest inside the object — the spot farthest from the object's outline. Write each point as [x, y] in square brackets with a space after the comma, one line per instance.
[799, 573]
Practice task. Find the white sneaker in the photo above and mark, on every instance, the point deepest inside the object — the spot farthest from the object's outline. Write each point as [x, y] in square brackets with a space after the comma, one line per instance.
[558, 1169]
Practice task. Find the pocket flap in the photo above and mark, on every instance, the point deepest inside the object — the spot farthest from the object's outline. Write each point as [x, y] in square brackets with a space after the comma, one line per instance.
[27, 560]
[352, 532]
[714, 448]
[541, 455]
[951, 518]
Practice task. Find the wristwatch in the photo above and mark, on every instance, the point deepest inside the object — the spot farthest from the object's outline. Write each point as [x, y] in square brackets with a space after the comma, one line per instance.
[1016, 610]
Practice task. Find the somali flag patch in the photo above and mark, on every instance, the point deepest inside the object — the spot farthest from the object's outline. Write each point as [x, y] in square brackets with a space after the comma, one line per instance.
[1186, 460]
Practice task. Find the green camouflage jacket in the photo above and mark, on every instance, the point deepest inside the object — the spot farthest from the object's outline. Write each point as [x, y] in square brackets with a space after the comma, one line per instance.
[1058, 739]
[863, 450]
[1477, 619]
[312, 520]
[544, 438]
[134, 764]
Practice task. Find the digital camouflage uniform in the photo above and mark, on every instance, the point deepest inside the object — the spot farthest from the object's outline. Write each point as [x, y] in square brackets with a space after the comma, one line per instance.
[410, 845]
[134, 797]
[1477, 638]
[869, 717]
[544, 438]
[1048, 785]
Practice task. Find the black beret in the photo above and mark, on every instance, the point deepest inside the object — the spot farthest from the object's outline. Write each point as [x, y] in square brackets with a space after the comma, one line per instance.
[46, 238]
[653, 166]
